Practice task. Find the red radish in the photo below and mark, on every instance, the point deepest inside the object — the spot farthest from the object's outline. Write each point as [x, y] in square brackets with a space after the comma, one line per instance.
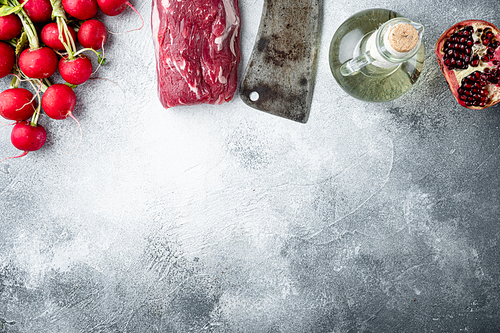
[28, 137]
[50, 36]
[58, 101]
[39, 11]
[38, 63]
[113, 7]
[80, 9]
[17, 104]
[75, 71]
[116, 7]
[7, 59]
[92, 34]
[10, 26]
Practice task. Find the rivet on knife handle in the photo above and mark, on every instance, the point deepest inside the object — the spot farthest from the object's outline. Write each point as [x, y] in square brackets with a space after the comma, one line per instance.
[281, 74]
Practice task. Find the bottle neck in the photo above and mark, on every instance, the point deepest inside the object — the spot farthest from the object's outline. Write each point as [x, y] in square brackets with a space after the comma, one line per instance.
[398, 41]
[380, 61]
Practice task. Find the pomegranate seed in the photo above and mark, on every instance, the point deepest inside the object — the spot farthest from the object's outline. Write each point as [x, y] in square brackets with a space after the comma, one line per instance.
[463, 97]
[482, 104]
[458, 53]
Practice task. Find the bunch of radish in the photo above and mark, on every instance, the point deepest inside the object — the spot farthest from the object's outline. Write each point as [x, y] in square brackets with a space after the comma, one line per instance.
[37, 39]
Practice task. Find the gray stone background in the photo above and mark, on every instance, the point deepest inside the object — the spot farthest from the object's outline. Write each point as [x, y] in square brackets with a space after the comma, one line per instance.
[369, 218]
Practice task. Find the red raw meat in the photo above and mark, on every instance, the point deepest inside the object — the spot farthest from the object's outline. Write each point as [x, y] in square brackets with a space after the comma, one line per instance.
[197, 50]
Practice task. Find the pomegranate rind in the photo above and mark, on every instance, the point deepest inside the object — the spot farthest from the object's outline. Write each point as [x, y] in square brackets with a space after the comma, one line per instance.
[451, 76]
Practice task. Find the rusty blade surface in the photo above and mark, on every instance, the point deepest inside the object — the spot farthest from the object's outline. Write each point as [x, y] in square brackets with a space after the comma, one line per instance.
[281, 73]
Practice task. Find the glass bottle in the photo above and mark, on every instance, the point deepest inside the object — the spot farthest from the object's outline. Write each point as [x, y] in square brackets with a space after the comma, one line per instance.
[377, 55]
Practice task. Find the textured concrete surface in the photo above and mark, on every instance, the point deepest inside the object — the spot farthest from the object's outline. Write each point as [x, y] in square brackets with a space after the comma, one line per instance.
[369, 218]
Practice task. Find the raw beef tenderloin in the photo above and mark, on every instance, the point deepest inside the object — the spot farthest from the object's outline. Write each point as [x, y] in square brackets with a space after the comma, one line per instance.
[197, 50]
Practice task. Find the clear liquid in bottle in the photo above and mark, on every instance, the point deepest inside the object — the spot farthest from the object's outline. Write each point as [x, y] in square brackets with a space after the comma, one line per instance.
[381, 80]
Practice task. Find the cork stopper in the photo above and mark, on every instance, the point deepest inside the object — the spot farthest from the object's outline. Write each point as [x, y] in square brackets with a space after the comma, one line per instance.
[403, 37]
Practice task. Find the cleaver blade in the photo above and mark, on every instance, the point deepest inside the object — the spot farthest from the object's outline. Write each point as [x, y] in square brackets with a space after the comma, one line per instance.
[281, 73]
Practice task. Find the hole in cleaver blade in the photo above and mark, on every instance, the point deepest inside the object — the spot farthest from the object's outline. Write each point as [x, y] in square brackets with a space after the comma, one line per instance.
[281, 74]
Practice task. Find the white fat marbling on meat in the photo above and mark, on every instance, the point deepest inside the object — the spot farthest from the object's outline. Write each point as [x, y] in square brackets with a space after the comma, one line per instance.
[232, 20]
[222, 78]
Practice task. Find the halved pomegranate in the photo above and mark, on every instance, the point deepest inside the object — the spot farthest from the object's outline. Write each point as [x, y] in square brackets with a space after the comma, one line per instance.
[468, 54]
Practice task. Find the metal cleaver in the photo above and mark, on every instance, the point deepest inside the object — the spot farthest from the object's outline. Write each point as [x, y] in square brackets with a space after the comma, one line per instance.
[281, 74]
